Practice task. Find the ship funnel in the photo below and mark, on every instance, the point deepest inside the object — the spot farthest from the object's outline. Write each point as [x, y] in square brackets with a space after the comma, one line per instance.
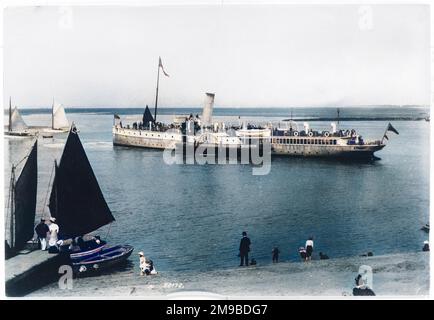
[306, 127]
[207, 109]
[333, 127]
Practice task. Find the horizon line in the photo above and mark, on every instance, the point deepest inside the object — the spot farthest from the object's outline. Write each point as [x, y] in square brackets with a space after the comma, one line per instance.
[231, 107]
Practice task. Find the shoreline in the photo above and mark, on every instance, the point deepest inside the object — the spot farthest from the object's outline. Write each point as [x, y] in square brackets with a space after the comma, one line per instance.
[403, 274]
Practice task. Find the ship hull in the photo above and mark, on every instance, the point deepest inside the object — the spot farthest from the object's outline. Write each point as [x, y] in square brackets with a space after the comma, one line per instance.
[169, 140]
[145, 139]
[339, 151]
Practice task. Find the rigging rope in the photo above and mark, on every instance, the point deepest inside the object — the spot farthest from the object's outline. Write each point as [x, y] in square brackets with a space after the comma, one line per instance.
[108, 231]
[46, 195]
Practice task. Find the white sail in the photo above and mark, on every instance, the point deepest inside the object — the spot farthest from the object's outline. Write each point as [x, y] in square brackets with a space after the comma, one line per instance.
[17, 122]
[207, 109]
[59, 117]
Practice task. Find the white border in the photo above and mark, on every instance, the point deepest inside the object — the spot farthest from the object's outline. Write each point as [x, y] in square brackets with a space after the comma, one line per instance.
[8, 3]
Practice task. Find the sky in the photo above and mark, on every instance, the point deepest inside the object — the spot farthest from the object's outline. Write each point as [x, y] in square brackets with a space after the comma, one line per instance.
[249, 56]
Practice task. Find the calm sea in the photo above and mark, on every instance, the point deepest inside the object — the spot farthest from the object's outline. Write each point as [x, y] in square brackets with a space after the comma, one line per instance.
[190, 217]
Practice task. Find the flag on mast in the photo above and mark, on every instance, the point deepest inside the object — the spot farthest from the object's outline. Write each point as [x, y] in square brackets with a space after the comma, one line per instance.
[160, 64]
[391, 128]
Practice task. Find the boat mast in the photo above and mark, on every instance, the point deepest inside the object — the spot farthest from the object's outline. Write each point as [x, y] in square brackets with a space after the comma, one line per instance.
[55, 186]
[156, 96]
[290, 122]
[52, 114]
[10, 114]
[12, 208]
[338, 111]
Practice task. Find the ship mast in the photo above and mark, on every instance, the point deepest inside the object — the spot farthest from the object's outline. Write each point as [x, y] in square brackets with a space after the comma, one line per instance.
[156, 95]
[10, 114]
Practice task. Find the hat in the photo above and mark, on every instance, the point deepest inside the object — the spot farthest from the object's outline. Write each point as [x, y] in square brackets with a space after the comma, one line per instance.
[425, 242]
[52, 219]
[42, 220]
[141, 253]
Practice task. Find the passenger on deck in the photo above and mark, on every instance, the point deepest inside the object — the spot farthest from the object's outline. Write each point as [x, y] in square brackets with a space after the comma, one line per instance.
[42, 231]
[425, 246]
[54, 232]
[309, 249]
[275, 253]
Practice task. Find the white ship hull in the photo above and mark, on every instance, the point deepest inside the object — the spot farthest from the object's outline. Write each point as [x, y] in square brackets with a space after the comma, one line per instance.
[145, 138]
[331, 147]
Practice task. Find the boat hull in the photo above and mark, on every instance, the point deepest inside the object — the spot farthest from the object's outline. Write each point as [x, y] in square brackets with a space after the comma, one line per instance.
[86, 253]
[22, 134]
[104, 259]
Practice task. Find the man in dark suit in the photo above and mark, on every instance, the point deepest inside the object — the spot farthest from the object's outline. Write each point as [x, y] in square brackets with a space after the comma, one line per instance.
[244, 249]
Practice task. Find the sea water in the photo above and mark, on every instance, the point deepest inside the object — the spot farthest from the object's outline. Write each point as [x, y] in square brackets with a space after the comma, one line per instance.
[190, 217]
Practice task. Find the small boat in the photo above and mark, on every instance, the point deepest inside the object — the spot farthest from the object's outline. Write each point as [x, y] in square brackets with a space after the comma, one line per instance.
[16, 125]
[59, 122]
[47, 135]
[77, 203]
[425, 228]
[103, 259]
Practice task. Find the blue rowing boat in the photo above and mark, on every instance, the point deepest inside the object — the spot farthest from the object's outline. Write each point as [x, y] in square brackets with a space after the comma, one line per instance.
[103, 259]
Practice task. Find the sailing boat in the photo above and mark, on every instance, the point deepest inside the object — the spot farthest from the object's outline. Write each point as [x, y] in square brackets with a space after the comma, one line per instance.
[58, 118]
[22, 203]
[77, 203]
[16, 124]
[59, 122]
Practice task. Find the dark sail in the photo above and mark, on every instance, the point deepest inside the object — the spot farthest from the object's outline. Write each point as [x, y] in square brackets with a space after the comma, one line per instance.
[25, 199]
[76, 200]
[147, 117]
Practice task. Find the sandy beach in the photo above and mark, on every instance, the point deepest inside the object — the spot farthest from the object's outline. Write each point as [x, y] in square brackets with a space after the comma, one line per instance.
[393, 275]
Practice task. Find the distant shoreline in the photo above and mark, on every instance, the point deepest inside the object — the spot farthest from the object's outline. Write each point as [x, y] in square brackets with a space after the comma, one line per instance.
[354, 113]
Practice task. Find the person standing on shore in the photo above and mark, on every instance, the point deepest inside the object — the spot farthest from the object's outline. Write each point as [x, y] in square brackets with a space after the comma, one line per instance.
[309, 249]
[42, 231]
[244, 249]
[275, 253]
[54, 232]
[142, 263]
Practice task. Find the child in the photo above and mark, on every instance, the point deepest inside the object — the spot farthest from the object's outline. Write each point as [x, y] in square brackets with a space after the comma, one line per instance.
[146, 266]
[302, 252]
